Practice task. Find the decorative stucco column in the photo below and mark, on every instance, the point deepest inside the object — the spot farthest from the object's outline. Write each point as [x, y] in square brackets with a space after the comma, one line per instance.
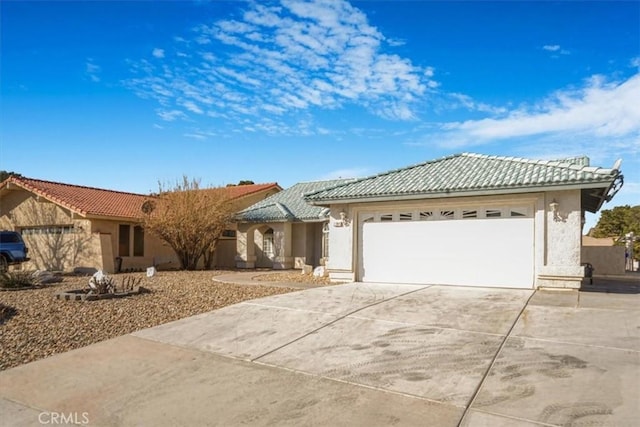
[563, 241]
[282, 242]
[341, 251]
[245, 247]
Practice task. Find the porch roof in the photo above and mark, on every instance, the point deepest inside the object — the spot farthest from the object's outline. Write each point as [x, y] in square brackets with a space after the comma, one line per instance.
[289, 205]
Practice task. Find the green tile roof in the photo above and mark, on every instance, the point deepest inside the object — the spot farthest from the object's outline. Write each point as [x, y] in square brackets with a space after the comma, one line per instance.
[289, 204]
[468, 173]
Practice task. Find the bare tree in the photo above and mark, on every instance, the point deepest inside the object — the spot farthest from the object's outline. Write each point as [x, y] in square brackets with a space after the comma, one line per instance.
[189, 219]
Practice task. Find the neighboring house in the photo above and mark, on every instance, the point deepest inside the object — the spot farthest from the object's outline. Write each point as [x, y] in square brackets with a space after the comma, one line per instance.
[67, 226]
[283, 231]
[466, 219]
[603, 255]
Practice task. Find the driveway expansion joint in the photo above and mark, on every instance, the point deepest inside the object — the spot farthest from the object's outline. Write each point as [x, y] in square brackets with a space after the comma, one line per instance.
[511, 417]
[367, 386]
[493, 361]
[337, 320]
[23, 404]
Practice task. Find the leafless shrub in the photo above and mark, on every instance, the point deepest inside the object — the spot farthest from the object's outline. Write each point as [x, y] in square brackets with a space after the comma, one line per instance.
[189, 219]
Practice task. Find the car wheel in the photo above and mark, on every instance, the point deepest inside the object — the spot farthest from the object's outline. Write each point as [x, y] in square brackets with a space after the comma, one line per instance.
[4, 265]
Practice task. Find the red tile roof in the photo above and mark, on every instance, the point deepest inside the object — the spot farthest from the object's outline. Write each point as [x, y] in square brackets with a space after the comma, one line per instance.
[89, 201]
[238, 191]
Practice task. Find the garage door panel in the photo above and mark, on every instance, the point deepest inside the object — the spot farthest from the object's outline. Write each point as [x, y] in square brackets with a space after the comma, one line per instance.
[480, 252]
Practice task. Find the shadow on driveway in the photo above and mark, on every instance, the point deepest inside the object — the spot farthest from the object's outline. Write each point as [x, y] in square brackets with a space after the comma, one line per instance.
[629, 284]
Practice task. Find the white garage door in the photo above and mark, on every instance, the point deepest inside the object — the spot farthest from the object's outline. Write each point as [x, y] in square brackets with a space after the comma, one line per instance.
[471, 247]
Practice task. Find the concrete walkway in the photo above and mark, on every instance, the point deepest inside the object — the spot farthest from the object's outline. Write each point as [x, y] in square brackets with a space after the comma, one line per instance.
[355, 354]
[249, 278]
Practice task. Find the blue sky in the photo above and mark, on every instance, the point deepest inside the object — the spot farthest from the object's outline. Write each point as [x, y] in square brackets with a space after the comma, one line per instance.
[123, 94]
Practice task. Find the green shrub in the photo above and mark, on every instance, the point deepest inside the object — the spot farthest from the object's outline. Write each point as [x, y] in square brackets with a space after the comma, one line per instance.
[17, 279]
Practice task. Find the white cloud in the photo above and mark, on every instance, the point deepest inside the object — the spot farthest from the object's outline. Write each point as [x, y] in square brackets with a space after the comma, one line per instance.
[191, 106]
[92, 70]
[556, 49]
[600, 111]
[395, 42]
[459, 100]
[195, 136]
[170, 116]
[635, 62]
[285, 59]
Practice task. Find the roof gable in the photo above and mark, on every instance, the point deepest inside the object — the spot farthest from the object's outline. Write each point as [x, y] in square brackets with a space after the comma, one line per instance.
[289, 204]
[468, 173]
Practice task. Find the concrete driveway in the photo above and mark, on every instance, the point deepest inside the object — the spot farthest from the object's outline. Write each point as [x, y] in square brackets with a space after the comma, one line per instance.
[355, 354]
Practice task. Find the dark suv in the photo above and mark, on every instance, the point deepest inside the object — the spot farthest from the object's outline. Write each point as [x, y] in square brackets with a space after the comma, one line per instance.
[12, 249]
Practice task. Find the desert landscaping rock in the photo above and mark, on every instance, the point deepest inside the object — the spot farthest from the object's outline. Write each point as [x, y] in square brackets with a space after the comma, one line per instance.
[41, 325]
[294, 276]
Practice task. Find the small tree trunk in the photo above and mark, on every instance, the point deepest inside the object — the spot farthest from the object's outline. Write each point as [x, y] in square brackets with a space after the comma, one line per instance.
[208, 257]
[208, 260]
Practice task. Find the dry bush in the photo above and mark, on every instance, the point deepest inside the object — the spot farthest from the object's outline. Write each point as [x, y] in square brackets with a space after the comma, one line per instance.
[189, 219]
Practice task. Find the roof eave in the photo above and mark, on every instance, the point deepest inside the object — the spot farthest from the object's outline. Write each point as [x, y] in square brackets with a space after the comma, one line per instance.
[277, 220]
[468, 193]
[112, 218]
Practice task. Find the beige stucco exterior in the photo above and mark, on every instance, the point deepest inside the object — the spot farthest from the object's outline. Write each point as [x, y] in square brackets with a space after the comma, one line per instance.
[557, 236]
[156, 252]
[75, 241]
[93, 242]
[294, 245]
[55, 251]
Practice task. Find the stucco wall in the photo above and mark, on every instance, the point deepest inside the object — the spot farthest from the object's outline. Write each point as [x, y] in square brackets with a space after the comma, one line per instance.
[299, 245]
[10, 200]
[282, 240]
[562, 241]
[295, 245]
[249, 246]
[341, 250]
[156, 251]
[48, 249]
[225, 254]
[314, 243]
[306, 249]
[606, 260]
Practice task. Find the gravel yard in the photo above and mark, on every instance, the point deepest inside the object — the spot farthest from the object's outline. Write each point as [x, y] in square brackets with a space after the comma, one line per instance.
[34, 324]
